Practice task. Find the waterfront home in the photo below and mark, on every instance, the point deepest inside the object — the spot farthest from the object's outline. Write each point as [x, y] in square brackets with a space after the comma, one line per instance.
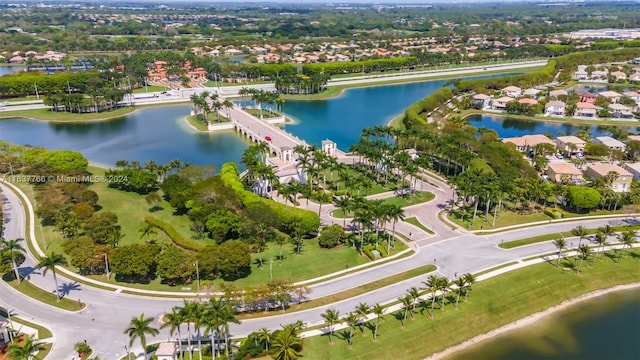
[233, 52]
[528, 142]
[634, 169]
[634, 77]
[600, 74]
[481, 100]
[585, 110]
[580, 75]
[17, 59]
[587, 97]
[565, 173]
[556, 93]
[612, 96]
[512, 91]
[611, 143]
[501, 103]
[570, 145]
[555, 108]
[619, 75]
[528, 101]
[619, 178]
[619, 111]
[633, 95]
[531, 92]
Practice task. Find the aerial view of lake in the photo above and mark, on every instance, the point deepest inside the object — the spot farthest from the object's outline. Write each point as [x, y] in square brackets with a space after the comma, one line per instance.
[604, 327]
[6, 70]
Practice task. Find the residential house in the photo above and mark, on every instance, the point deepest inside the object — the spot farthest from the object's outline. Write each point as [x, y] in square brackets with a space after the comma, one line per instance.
[587, 97]
[563, 143]
[233, 52]
[619, 75]
[580, 75]
[634, 169]
[481, 100]
[634, 77]
[512, 91]
[600, 74]
[611, 143]
[585, 110]
[556, 93]
[531, 92]
[565, 173]
[619, 111]
[555, 108]
[501, 103]
[633, 137]
[528, 101]
[528, 142]
[612, 96]
[17, 59]
[621, 181]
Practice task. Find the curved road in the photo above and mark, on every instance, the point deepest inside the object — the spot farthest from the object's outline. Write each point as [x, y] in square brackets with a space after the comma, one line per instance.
[109, 312]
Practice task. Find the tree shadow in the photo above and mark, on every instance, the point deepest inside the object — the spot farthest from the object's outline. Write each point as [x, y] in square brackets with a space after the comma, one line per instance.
[27, 271]
[66, 288]
[155, 208]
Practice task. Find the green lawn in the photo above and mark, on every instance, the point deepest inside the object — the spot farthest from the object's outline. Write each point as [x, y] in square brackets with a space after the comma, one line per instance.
[265, 113]
[418, 198]
[549, 237]
[151, 88]
[492, 303]
[414, 221]
[196, 123]
[46, 114]
[46, 297]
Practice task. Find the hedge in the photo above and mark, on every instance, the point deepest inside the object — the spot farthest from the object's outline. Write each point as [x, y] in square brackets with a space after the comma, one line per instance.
[308, 220]
[369, 248]
[177, 239]
[553, 213]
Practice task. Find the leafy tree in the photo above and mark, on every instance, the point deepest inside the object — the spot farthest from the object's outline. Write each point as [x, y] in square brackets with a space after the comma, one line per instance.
[101, 226]
[583, 197]
[175, 264]
[134, 261]
[234, 258]
[331, 236]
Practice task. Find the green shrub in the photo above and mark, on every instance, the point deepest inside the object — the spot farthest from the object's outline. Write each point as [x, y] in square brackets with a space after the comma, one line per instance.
[382, 251]
[553, 213]
[177, 239]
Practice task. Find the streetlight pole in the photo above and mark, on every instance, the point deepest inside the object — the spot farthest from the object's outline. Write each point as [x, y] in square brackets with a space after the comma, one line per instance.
[106, 265]
[197, 277]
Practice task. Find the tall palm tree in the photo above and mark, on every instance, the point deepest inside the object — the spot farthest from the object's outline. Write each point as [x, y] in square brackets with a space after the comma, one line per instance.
[406, 302]
[331, 316]
[264, 336]
[627, 238]
[49, 263]
[173, 321]
[560, 244]
[139, 328]
[583, 251]
[432, 285]
[12, 249]
[352, 321]
[362, 310]
[581, 232]
[461, 284]
[26, 351]
[470, 280]
[414, 292]
[187, 311]
[601, 240]
[287, 346]
[377, 310]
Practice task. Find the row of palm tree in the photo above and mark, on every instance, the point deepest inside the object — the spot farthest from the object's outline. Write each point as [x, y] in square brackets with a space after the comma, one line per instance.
[206, 103]
[282, 344]
[162, 170]
[261, 97]
[626, 238]
[214, 316]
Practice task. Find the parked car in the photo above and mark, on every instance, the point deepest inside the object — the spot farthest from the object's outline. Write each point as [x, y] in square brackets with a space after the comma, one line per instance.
[559, 156]
[579, 156]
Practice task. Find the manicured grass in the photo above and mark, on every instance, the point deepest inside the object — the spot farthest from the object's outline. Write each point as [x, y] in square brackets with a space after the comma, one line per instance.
[336, 90]
[265, 113]
[46, 114]
[496, 268]
[42, 354]
[414, 221]
[46, 297]
[150, 88]
[43, 332]
[418, 198]
[196, 123]
[356, 291]
[549, 237]
[572, 120]
[492, 303]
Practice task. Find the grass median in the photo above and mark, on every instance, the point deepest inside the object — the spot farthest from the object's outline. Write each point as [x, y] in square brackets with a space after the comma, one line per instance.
[492, 303]
[49, 298]
[549, 237]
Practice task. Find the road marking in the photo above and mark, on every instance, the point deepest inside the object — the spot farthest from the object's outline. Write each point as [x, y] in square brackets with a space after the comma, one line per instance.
[118, 290]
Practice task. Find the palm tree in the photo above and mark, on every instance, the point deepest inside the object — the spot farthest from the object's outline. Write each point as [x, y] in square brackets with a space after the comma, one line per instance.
[414, 292]
[560, 244]
[580, 232]
[187, 312]
[173, 320]
[331, 316]
[378, 310]
[601, 240]
[406, 302]
[11, 249]
[362, 310]
[352, 321]
[49, 263]
[627, 238]
[470, 280]
[461, 284]
[139, 328]
[287, 345]
[432, 285]
[264, 335]
[583, 251]
[27, 351]
[147, 230]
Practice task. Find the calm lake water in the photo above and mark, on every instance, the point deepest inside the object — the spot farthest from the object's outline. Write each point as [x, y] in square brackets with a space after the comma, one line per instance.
[606, 327]
[5, 70]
